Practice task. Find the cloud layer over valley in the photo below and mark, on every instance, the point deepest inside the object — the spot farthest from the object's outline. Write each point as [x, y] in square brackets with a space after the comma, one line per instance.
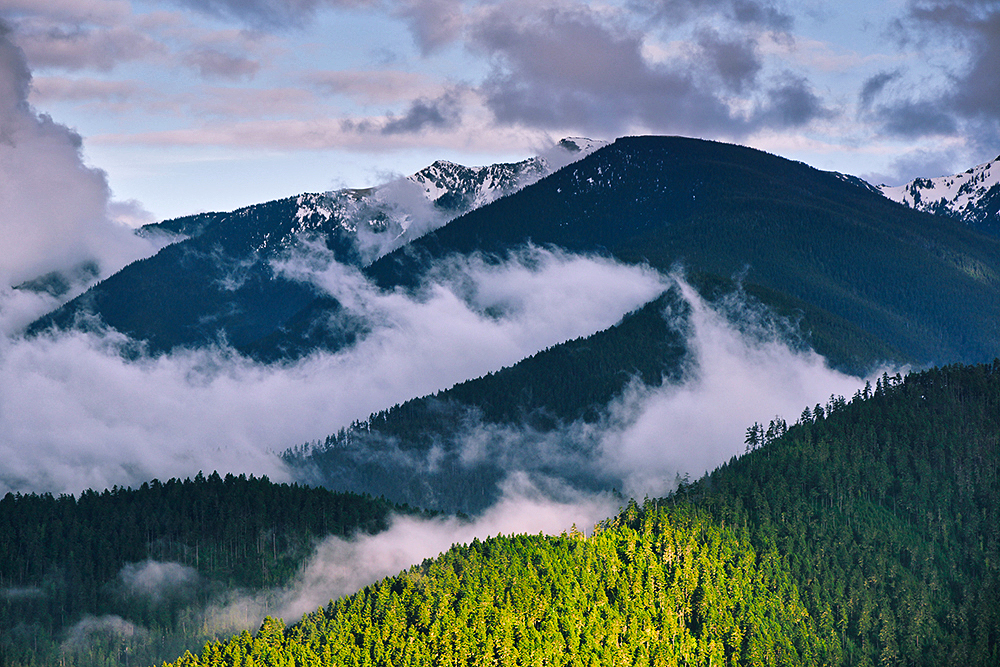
[743, 365]
[76, 412]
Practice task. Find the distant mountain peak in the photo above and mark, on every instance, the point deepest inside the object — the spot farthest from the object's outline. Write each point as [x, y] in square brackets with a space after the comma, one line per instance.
[972, 196]
[581, 144]
[403, 209]
[382, 218]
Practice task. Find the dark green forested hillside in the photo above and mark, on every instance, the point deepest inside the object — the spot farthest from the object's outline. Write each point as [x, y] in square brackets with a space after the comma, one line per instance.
[217, 286]
[887, 512]
[664, 586]
[61, 558]
[571, 381]
[868, 533]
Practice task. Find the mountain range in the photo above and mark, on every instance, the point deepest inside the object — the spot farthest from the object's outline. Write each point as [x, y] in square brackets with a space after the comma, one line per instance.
[863, 532]
[216, 283]
[886, 282]
[841, 268]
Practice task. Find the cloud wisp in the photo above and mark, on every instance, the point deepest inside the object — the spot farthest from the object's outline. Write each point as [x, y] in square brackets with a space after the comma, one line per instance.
[744, 370]
[341, 567]
[156, 580]
[745, 365]
[961, 100]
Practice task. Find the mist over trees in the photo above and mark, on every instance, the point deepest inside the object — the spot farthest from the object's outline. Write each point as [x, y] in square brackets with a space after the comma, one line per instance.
[863, 532]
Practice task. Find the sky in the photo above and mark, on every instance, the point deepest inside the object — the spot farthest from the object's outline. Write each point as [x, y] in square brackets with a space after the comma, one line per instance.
[183, 106]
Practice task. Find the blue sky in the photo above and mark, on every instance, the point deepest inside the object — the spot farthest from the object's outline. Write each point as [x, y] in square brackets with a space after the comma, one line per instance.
[193, 105]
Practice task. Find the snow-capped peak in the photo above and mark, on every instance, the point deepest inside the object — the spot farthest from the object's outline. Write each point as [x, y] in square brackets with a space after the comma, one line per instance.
[970, 196]
[389, 215]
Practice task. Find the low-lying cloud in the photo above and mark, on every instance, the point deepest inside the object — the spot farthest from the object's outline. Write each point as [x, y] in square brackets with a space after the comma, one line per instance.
[743, 365]
[155, 579]
[88, 410]
[743, 371]
[92, 630]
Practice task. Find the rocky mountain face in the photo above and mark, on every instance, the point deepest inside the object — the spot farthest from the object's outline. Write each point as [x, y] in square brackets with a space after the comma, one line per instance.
[373, 221]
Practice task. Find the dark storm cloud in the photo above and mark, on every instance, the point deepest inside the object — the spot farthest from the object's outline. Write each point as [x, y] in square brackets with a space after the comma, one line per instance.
[562, 67]
[559, 65]
[918, 118]
[971, 96]
[735, 59]
[874, 86]
[441, 113]
[976, 25]
[792, 104]
[744, 12]
[901, 116]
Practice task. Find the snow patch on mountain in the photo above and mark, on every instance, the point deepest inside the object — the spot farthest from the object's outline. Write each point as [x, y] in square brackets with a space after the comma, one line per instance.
[972, 196]
[387, 216]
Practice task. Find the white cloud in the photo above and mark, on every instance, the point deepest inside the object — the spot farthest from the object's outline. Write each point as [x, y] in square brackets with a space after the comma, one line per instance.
[156, 580]
[75, 412]
[55, 214]
[742, 367]
[97, 630]
[743, 372]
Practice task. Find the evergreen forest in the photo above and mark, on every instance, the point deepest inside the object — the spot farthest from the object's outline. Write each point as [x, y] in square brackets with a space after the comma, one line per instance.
[865, 533]
[66, 562]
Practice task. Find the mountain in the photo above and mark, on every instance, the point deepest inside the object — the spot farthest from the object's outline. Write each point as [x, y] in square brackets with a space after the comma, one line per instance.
[863, 281]
[416, 452]
[972, 196]
[219, 283]
[865, 533]
[918, 285]
[921, 285]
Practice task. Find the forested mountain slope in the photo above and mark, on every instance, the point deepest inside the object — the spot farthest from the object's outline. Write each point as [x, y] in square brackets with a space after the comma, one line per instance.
[152, 558]
[866, 533]
[923, 285]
